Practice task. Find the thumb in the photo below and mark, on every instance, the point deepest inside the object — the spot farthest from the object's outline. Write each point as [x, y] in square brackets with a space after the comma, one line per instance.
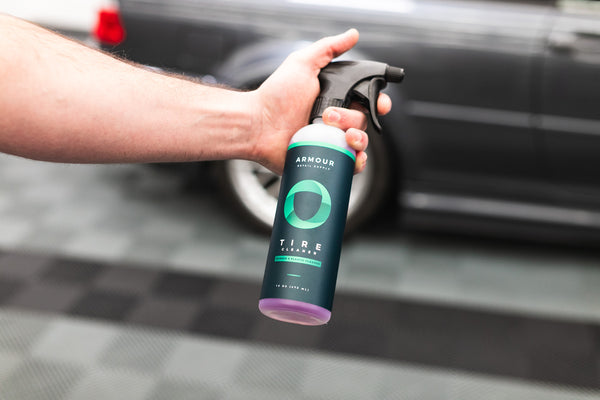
[321, 52]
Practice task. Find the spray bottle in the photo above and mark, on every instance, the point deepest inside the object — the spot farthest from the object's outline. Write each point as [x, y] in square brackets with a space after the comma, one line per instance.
[306, 242]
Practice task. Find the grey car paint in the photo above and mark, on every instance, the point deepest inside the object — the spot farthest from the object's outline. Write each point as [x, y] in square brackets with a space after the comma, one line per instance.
[497, 125]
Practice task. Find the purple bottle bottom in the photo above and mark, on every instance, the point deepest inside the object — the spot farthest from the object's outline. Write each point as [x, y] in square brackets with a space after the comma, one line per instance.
[293, 311]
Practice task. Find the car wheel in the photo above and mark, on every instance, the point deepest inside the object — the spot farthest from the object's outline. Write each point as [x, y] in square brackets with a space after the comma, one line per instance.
[252, 189]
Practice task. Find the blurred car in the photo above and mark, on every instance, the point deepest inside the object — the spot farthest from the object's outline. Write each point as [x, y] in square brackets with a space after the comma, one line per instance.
[496, 128]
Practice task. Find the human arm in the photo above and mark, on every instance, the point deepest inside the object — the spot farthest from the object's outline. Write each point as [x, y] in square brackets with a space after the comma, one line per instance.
[61, 101]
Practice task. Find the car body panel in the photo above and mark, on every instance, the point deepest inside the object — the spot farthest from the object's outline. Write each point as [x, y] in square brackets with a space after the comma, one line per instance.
[570, 109]
[499, 104]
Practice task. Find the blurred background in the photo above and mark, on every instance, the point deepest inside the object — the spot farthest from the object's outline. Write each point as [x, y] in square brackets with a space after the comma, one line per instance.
[470, 268]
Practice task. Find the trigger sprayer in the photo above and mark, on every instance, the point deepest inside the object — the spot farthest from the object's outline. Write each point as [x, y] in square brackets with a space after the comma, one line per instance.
[306, 242]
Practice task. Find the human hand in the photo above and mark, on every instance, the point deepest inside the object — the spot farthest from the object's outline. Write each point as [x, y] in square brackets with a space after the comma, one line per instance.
[284, 101]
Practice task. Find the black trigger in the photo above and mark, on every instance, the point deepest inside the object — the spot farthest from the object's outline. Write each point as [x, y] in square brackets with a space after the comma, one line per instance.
[361, 93]
[375, 86]
[367, 93]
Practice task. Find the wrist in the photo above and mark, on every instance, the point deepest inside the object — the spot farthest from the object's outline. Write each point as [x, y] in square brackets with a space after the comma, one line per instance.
[252, 139]
[223, 124]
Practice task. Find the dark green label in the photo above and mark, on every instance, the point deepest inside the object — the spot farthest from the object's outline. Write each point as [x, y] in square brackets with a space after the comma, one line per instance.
[309, 224]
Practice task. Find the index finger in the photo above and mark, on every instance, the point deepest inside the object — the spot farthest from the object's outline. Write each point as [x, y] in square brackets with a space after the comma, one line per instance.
[384, 104]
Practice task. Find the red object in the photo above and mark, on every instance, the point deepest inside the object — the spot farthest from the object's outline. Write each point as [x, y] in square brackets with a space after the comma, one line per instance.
[109, 27]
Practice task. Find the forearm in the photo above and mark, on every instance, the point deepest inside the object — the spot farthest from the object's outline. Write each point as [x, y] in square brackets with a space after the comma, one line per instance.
[61, 101]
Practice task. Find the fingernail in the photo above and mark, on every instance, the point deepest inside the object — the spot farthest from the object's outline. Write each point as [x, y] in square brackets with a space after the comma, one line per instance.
[351, 31]
[361, 162]
[356, 137]
[333, 116]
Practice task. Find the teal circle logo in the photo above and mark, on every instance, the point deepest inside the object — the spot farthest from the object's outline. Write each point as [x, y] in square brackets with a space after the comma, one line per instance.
[322, 213]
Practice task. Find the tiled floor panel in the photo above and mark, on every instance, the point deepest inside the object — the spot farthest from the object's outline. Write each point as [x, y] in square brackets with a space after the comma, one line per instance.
[56, 357]
[131, 281]
[531, 348]
[160, 217]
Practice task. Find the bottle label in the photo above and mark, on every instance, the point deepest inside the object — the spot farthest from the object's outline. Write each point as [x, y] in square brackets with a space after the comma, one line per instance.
[309, 224]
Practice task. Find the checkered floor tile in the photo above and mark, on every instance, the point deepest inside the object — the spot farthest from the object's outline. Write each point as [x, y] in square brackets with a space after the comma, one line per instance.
[122, 282]
[49, 357]
[500, 344]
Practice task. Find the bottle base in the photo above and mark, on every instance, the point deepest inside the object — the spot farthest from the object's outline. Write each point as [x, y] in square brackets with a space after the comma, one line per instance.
[293, 311]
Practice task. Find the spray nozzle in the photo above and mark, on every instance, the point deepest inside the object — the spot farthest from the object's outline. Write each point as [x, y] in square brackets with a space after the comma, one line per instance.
[344, 82]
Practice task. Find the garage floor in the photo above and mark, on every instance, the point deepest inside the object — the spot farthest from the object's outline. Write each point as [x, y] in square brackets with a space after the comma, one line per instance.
[133, 281]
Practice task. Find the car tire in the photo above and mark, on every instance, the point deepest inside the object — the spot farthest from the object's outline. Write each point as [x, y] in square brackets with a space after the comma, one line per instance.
[252, 190]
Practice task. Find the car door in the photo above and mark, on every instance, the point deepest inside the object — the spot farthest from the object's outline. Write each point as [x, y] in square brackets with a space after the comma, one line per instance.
[570, 107]
[469, 87]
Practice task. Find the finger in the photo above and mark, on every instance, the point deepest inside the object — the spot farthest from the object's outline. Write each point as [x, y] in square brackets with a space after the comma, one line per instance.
[324, 50]
[357, 139]
[361, 162]
[384, 104]
[344, 118]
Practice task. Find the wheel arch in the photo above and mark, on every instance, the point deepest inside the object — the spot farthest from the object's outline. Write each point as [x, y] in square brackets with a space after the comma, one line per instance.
[249, 66]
